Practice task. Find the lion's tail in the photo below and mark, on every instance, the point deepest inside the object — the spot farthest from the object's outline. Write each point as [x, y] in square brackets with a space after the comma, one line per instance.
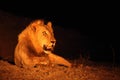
[55, 59]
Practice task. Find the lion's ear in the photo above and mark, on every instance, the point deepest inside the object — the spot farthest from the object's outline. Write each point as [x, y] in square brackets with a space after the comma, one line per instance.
[39, 22]
[35, 24]
[49, 26]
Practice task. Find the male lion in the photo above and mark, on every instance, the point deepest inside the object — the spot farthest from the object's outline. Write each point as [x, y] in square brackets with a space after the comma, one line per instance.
[35, 46]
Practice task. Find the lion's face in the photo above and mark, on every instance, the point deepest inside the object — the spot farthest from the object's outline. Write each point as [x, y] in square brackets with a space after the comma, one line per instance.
[45, 37]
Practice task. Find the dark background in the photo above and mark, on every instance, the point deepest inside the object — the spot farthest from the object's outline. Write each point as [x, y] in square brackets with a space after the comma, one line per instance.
[87, 28]
[88, 19]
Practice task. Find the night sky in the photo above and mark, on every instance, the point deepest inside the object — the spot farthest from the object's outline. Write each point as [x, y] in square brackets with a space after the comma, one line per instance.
[97, 22]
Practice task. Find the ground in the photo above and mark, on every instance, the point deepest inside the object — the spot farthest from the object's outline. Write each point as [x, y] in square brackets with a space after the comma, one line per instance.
[80, 71]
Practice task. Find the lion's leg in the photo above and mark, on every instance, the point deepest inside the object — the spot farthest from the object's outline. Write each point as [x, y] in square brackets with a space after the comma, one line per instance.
[43, 60]
[35, 61]
[23, 62]
[27, 62]
[55, 59]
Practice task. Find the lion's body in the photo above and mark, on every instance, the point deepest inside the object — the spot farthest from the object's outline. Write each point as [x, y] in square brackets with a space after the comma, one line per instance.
[35, 46]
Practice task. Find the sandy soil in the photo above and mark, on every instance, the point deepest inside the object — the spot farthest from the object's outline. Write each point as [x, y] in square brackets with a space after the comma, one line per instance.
[77, 72]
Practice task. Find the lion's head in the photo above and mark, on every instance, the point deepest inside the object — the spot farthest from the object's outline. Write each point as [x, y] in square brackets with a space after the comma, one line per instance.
[40, 35]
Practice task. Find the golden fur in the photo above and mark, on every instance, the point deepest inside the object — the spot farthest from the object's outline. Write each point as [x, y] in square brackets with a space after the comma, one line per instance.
[35, 45]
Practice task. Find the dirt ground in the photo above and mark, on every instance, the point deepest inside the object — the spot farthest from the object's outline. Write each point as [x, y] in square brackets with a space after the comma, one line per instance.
[77, 72]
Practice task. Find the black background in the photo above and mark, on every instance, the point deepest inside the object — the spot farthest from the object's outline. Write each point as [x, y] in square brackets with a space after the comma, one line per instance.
[88, 18]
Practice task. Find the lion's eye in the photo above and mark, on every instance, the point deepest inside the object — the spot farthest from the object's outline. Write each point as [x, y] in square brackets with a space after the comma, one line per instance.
[44, 33]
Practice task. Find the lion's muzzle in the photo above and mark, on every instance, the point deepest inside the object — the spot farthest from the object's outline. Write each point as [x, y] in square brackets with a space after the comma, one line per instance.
[48, 48]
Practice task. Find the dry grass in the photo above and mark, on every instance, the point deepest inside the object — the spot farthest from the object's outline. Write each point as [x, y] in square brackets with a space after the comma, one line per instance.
[77, 72]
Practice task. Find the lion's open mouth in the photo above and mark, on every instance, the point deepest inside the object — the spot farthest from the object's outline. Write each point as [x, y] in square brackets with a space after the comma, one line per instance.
[47, 48]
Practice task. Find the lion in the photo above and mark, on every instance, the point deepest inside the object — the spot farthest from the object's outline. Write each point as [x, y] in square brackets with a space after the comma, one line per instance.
[36, 45]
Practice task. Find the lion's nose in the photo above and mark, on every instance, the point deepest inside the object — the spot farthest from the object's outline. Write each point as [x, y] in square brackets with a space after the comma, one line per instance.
[53, 43]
